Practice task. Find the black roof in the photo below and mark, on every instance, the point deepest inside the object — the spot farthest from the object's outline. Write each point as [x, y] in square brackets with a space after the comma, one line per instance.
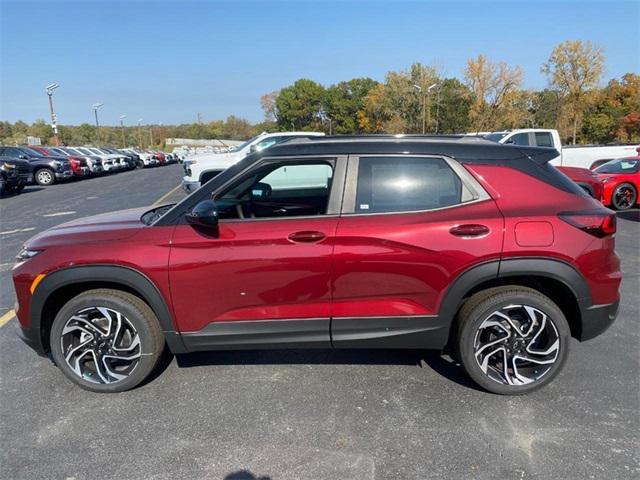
[464, 148]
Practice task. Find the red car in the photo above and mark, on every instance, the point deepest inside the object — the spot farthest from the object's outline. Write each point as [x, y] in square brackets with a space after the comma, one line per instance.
[79, 165]
[621, 179]
[355, 242]
[586, 179]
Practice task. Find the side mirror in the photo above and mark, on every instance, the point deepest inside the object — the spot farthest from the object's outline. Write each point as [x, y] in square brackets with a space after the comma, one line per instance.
[204, 214]
[253, 148]
[23, 157]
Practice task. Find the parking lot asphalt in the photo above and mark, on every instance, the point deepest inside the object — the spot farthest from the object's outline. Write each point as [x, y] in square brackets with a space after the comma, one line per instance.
[316, 414]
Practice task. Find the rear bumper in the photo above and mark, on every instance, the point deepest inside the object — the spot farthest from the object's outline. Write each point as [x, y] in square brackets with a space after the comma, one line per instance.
[597, 319]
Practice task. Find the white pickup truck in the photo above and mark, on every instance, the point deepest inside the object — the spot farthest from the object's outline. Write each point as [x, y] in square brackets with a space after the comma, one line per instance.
[570, 155]
[199, 169]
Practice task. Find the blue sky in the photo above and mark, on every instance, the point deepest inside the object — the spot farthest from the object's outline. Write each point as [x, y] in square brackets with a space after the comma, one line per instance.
[165, 61]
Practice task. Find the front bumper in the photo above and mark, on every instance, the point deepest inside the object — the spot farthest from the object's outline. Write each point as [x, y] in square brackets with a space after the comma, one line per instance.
[189, 185]
[65, 174]
[597, 319]
[31, 336]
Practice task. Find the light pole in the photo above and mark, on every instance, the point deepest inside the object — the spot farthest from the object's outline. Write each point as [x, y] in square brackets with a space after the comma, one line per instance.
[96, 106]
[54, 118]
[140, 133]
[122, 117]
[425, 94]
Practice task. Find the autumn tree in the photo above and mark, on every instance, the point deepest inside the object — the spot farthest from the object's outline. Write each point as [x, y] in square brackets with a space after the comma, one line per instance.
[574, 68]
[495, 90]
[269, 107]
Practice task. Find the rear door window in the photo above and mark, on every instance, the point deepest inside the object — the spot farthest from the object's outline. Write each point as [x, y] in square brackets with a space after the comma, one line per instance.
[402, 184]
[543, 139]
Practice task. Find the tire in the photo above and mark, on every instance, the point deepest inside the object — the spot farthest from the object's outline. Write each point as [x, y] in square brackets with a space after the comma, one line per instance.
[44, 177]
[138, 336]
[18, 189]
[483, 328]
[624, 196]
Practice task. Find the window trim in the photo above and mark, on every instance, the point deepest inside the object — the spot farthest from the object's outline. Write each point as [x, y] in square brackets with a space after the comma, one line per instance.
[478, 194]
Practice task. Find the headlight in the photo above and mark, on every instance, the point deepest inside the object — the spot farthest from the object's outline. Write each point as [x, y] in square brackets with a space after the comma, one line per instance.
[26, 254]
[56, 163]
[8, 166]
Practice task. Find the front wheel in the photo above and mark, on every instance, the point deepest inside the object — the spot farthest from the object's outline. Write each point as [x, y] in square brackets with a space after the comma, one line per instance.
[624, 197]
[512, 340]
[106, 340]
[44, 177]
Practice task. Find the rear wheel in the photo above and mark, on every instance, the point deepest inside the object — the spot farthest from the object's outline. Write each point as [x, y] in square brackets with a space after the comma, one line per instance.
[106, 340]
[44, 177]
[624, 196]
[512, 340]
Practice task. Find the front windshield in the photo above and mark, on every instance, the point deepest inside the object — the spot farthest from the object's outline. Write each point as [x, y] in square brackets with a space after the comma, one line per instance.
[31, 152]
[85, 151]
[495, 137]
[620, 165]
[243, 144]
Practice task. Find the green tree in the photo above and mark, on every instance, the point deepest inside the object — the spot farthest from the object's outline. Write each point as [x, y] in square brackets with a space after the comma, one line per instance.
[343, 101]
[452, 101]
[298, 106]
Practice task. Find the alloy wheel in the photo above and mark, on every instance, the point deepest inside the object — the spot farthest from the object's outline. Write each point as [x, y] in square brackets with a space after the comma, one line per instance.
[516, 345]
[100, 345]
[624, 197]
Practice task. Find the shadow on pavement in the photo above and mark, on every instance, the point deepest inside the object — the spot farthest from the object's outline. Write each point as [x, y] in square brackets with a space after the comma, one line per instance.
[439, 363]
[245, 475]
[633, 215]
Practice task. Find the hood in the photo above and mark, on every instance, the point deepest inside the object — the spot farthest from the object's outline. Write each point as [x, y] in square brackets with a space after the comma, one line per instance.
[15, 161]
[98, 228]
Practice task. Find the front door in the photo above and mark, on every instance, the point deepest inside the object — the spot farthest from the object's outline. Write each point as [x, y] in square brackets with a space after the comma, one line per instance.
[264, 277]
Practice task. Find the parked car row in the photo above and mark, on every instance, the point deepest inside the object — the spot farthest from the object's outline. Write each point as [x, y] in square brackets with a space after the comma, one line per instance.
[615, 183]
[45, 166]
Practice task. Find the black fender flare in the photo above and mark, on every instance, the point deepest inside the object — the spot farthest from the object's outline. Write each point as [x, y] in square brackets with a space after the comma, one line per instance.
[117, 274]
[502, 269]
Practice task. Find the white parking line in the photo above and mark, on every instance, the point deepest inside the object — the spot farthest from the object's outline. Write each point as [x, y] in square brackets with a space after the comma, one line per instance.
[58, 214]
[17, 230]
[6, 317]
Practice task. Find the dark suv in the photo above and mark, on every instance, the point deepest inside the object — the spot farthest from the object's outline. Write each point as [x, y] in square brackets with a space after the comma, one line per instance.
[453, 243]
[14, 175]
[46, 169]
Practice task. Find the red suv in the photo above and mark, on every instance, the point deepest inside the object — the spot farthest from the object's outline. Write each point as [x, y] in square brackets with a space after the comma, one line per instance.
[453, 243]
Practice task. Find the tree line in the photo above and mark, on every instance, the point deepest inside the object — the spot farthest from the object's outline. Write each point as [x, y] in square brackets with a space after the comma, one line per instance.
[489, 96]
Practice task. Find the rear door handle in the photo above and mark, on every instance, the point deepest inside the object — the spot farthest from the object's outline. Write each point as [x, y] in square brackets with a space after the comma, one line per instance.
[308, 236]
[469, 230]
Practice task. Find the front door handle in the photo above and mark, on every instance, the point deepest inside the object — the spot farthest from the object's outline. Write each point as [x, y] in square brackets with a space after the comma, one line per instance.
[309, 236]
[469, 230]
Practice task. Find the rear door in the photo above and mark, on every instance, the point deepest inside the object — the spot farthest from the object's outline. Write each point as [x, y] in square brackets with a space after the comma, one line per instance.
[409, 226]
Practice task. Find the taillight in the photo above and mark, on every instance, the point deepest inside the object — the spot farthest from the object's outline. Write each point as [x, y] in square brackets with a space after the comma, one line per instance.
[599, 223]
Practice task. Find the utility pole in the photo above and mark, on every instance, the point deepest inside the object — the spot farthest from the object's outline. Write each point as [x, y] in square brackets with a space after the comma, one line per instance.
[426, 107]
[96, 106]
[54, 118]
[122, 117]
